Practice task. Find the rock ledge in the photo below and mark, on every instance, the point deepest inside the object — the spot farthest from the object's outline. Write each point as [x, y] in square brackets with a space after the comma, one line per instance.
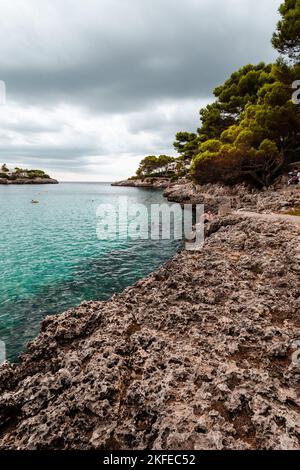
[198, 355]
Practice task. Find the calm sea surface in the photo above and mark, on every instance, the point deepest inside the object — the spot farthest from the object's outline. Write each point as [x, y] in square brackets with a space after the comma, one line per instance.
[51, 258]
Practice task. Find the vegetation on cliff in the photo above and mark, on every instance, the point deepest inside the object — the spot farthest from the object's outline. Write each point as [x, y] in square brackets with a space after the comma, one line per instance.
[286, 38]
[152, 165]
[252, 130]
[264, 132]
[162, 166]
[20, 173]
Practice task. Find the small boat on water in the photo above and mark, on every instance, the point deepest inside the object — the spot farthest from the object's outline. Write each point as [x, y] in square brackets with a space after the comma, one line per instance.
[35, 201]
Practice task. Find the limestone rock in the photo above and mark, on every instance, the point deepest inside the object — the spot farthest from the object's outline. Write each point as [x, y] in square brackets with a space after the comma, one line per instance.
[198, 355]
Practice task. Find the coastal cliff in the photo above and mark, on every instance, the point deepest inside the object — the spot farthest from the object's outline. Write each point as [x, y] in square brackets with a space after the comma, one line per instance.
[278, 198]
[154, 183]
[198, 355]
[28, 181]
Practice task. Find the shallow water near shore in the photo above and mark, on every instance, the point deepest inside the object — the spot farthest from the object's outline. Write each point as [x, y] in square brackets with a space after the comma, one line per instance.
[51, 258]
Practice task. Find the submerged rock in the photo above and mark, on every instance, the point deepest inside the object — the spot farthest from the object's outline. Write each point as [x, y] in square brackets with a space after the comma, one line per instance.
[198, 355]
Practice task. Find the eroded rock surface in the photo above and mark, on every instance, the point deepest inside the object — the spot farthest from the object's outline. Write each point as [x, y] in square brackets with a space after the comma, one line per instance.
[154, 183]
[196, 356]
[276, 199]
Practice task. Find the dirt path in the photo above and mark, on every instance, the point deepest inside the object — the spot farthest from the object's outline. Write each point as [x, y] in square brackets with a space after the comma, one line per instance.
[272, 217]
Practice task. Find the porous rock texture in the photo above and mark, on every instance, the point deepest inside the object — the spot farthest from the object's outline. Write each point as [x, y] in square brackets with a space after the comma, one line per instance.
[278, 198]
[198, 355]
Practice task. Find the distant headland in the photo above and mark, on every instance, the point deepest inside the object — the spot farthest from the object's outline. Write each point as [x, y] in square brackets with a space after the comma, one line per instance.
[22, 176]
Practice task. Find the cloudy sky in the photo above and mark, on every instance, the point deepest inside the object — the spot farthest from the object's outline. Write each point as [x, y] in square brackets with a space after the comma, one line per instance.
[95, 85]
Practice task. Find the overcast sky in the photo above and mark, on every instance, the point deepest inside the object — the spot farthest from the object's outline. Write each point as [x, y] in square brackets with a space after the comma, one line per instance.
[93, 86]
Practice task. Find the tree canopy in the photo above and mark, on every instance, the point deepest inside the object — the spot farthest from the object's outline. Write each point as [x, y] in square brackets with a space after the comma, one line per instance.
[232, 97]
[20, 172]
[286, 39]
[252, 129]
[257, 146]
[152, 164]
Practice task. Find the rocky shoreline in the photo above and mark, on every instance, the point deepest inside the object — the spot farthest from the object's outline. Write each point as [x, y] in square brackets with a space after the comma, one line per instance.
[278, 198]
[28, 181]
[198, 355]
[153, 183]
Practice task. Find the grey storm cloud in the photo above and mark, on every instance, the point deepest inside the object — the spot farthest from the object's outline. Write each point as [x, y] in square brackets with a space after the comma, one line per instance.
[122, 57]
[52, 152]
[165, 50]
[30, 127]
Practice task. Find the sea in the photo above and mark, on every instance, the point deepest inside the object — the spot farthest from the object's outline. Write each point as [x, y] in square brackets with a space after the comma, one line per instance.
[52, 257]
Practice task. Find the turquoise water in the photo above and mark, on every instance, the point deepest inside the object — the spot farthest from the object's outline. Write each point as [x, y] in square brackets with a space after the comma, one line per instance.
[51, 258]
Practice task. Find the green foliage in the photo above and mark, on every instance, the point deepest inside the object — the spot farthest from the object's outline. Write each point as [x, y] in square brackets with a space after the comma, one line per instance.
[232, 98]
[147, 165]
[212, 145]
[18, 171]
[36, 174]
[286, 39]
[186, 144]
[258, 146]
[242, 88]
[22, 173]
[152, 164]
[252, 130]
[214, 121]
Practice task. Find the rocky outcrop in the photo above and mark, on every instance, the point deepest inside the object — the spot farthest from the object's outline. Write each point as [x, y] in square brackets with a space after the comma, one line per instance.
[198, 355]
[154, 183]
[239, 197]
[28, 181]
[278, 198]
